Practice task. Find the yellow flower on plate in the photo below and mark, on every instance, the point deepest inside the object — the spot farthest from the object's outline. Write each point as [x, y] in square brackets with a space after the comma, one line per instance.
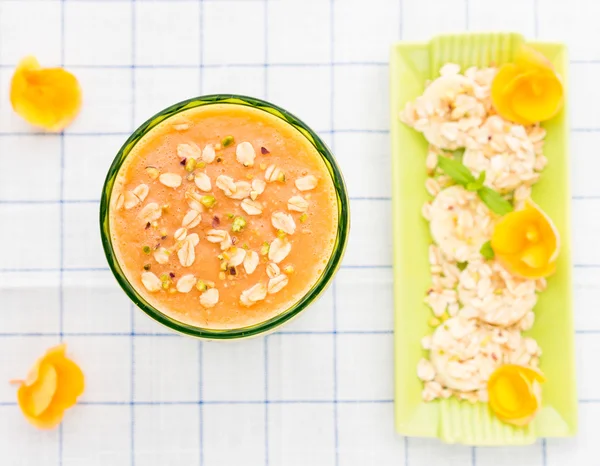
[46, 97]
[51, 387]
[526, 242]
[515, 393]
[528, 90]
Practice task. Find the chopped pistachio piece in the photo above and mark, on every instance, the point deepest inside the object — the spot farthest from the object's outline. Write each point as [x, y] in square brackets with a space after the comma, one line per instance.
[433, 322]
[147, 249]
[208, 201]
[190, 165]
[166, 281]
[227, 141]
[229, 216]
[153, 172]
[281, 234]
[303, 217]
[223, 266]
[264, 249]
[147, 267]
[238, 224]
[289, 269]
[201, 286]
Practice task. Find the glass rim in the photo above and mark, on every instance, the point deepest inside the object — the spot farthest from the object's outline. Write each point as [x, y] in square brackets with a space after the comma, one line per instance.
[274, 322]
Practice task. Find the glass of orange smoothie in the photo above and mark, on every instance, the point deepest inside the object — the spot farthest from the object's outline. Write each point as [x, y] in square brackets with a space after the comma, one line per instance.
[224, 217]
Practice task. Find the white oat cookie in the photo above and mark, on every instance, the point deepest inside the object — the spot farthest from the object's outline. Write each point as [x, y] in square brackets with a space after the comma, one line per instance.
[497, 297]
[460, 223]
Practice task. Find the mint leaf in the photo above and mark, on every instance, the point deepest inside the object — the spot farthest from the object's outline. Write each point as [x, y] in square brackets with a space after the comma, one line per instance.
[486, 251]
[456, 170]
[495, 201]
[481, 178]
[463, 176]
[458, 154]
[477, 184]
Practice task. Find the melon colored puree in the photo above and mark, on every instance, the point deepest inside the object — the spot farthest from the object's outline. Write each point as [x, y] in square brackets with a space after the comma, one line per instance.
[312, 243]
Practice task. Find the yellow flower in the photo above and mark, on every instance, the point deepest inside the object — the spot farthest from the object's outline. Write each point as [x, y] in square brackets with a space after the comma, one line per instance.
[51, 387]
[526, 242]
[515, 393]
[528, 90]
[46, 97]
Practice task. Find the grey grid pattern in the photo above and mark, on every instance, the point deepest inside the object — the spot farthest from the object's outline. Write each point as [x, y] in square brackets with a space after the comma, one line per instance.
[320, 390]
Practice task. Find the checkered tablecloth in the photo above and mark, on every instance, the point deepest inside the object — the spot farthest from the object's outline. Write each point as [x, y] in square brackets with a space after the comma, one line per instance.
[319, 392]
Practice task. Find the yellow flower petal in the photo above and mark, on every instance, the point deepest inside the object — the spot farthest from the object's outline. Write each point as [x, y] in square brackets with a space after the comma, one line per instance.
[528, 90]
[526, 242]
[46, 97]
[501, 87]
[53, 385]
[510, 233]
[49, 419]
[514, 393]
[537, 96]
[70, 377]
[34, 396]
[535, 256]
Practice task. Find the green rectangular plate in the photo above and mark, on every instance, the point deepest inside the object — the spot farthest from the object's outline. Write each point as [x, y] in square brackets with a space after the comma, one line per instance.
[412, 63]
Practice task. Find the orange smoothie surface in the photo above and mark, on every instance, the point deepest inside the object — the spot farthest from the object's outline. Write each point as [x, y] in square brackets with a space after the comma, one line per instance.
[223, 216]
